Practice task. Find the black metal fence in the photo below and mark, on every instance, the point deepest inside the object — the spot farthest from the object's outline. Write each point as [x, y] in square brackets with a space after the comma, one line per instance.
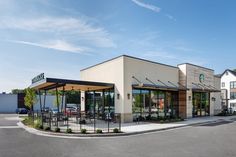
[79, 121]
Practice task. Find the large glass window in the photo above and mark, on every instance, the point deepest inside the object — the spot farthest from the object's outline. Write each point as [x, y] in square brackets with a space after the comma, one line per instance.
[232, 95]
[100, 103]
[201, 104]
[154, 103]
[141, 102]
[222, 84]
[233, 84]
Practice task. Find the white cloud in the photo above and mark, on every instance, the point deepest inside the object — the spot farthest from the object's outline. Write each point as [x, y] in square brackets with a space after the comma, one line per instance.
[78, 28]
[147, 6]
[56, 45]
[170, 17]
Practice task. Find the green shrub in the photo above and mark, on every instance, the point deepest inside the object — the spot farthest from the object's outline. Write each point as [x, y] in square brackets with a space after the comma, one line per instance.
[116, 130]
[161, 121]
[69, 130]
[83, 131]
[99, 131]
[65, 118]
[167, 120]
[28, 121]
[47, 128]
[38, 126]
[57, 129]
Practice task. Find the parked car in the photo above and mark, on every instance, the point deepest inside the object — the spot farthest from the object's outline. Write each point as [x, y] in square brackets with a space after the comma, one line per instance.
[54, 110]
[71, 110]
[21, 111]
[46, 109]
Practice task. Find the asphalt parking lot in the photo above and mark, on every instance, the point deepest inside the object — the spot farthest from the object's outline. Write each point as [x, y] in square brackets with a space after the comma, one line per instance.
[8, 120]
[217, 140]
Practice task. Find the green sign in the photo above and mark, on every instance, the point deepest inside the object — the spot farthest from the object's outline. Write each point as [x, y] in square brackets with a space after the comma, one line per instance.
[38, 78]
[201, 78]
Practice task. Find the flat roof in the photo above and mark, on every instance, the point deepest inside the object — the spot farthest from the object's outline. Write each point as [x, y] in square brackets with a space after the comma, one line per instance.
[196, 66]
[145, 60]
[60, 84]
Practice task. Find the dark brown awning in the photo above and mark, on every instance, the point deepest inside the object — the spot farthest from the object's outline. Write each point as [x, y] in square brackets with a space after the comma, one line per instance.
[152, 86]
[60, 84]
[204, 88]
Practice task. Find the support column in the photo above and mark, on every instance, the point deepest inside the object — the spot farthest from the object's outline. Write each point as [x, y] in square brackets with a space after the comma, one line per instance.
[40, 101]
[82, 98]
[44, 101]
[182, 104]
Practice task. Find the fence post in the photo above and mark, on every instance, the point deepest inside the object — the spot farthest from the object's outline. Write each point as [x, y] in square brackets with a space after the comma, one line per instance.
[94, 110]
[33, 117]
[67, 123]
[42, 118]
[80, 120]
[50, 120]
[119, 121]
[108, 119]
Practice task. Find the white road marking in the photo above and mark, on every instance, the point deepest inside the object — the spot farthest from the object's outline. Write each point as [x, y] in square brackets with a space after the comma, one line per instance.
[12, 118]
[9, 127]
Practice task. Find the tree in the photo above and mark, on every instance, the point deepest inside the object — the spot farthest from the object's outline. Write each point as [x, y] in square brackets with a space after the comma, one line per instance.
[30, 98]
[17, 91]
[57, 101]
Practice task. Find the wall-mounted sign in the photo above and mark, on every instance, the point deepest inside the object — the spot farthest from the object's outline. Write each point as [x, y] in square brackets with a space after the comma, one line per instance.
[38, 78]
[201, 78]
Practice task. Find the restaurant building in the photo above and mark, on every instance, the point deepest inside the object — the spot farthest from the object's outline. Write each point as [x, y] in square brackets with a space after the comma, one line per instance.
[150, 89]
[142, 89]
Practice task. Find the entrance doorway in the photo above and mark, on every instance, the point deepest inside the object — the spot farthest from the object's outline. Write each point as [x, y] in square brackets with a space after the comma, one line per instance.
[201, 104]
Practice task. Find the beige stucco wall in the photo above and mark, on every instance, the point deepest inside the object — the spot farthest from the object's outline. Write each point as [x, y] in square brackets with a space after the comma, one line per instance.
[109, 72]
[217, 96]
[120, 71]
[141, 69]
[190, 74]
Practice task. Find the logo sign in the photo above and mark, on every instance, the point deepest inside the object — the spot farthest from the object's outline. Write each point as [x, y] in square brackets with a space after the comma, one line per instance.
[201, 78]
[38, 78]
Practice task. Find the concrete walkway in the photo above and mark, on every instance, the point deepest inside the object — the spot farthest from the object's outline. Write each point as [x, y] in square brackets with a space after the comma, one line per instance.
[136, 128]
[147, 127]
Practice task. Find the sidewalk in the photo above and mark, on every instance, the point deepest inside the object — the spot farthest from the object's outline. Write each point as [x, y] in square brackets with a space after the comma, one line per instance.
[135, 128]
[148, 127]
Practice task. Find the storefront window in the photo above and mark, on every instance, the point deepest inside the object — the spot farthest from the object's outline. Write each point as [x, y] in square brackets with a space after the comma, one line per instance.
[201, 104]
[102, 104]
[154, 104]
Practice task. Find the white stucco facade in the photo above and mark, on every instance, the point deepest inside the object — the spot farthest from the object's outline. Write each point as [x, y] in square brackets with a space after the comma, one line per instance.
[227, 77]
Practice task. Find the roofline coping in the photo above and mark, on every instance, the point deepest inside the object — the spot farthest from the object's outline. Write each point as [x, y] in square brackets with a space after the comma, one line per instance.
[196, 66]
[141, 59]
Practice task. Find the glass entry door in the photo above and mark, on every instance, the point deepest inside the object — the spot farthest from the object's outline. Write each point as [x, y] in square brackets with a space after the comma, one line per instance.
[201, 104]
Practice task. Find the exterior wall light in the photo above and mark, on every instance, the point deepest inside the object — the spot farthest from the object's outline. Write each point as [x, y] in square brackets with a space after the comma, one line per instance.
[213, 99]
[189, 98]
[128, 96]
[82, 98]
[118, 96]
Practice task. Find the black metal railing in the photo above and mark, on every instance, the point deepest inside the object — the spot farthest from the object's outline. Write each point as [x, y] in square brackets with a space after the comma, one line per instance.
[91, 122]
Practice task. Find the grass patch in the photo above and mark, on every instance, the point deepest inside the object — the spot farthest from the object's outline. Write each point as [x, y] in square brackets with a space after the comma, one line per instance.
[83, 131]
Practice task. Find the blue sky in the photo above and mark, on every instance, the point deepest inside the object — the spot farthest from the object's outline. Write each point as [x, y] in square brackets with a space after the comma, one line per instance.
[61, 37]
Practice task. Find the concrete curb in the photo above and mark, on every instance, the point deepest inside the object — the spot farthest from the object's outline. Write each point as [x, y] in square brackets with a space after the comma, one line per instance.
[88, 136]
